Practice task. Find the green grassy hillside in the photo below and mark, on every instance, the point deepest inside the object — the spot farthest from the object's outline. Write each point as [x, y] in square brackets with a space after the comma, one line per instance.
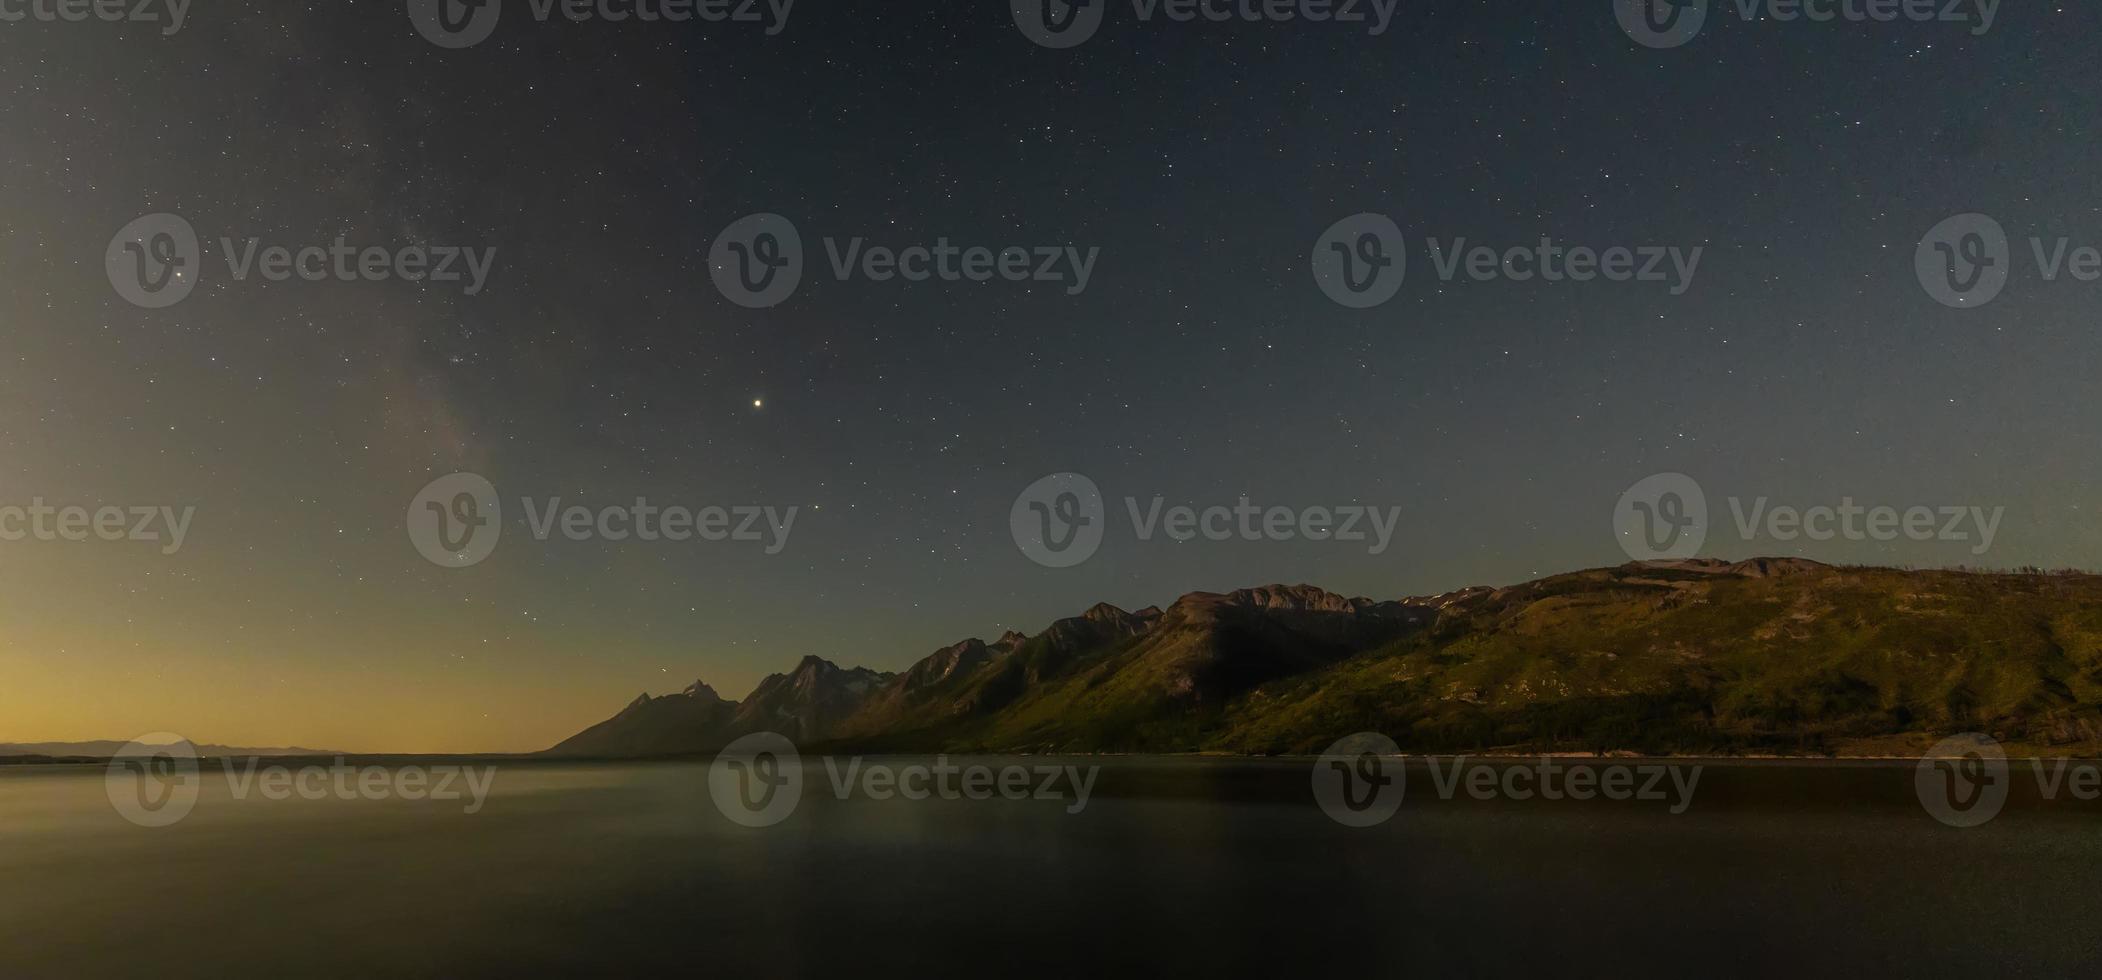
[1803, 659]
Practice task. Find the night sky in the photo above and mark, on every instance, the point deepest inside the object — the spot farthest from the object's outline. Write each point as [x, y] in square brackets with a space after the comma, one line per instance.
[1202, 363]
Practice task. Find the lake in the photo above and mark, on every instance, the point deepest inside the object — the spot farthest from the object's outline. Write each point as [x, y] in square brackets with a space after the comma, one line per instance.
[1180, 866]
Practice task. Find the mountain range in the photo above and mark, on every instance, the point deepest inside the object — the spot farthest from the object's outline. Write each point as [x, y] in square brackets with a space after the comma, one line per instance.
[1767, 656]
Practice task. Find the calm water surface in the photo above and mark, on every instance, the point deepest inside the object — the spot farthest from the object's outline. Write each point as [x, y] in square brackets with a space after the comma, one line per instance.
[1176, 867]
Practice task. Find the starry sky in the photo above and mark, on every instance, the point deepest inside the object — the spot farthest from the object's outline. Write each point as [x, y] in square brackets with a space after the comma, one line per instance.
[1202, 364]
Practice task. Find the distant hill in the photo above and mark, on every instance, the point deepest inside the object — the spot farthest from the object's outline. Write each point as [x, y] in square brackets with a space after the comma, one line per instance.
[1780, 656]
[108, 749]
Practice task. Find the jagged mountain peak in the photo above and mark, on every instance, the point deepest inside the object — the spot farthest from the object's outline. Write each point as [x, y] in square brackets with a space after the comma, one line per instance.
[1101, 621]
[960, 646]
[947, 662]
[810, 700]
[813, 669]
[1291, 600]
[1275, 597]
[701, 690]
[1455, 598]
[1103, 612]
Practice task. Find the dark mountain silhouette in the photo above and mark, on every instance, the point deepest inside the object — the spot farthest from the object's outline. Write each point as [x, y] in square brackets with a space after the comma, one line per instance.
[690, 721]
[808, 702]
[1201, 651]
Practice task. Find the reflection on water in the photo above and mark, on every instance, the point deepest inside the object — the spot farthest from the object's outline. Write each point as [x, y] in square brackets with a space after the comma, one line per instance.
[1182, 865]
